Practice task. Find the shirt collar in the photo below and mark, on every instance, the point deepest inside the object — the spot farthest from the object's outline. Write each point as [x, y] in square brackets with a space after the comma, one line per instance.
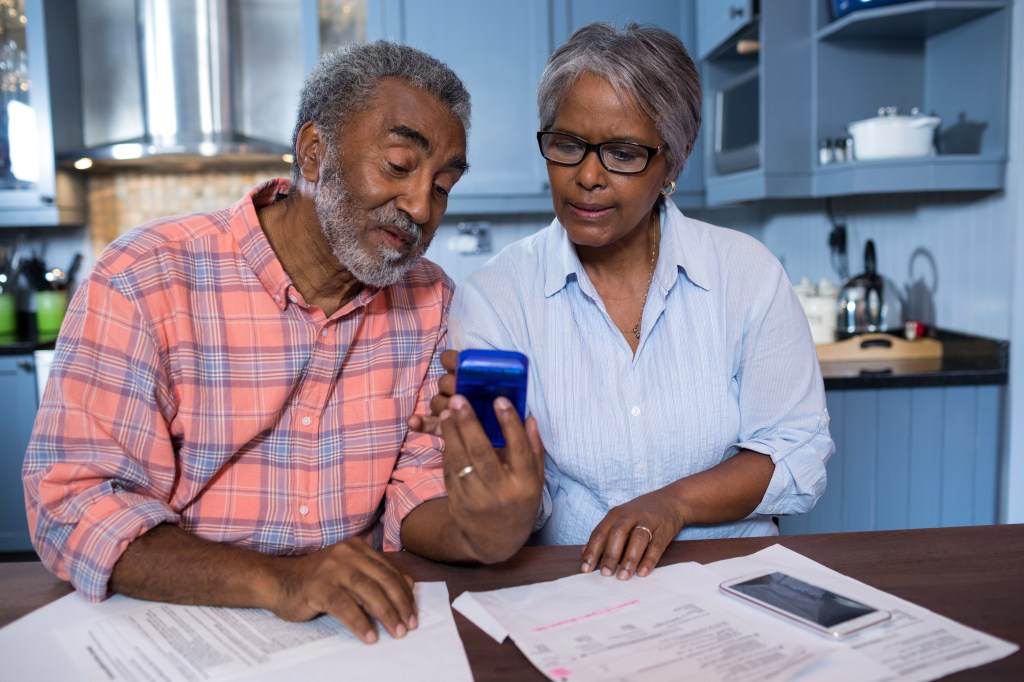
[253, 243]
[685, 248]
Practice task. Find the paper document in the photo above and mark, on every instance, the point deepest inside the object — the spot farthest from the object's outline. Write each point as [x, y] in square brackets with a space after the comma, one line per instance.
[916, 645]
[676, 624]
[127, 639]
[671, 625]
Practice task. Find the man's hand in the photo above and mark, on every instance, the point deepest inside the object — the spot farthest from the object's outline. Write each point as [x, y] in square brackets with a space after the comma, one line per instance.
[348, 580]
[439, 403]
[493, 495]
[351, 582]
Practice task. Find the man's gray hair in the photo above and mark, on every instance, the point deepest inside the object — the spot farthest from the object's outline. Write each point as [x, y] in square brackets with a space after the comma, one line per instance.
[344, 80]
[645, 64]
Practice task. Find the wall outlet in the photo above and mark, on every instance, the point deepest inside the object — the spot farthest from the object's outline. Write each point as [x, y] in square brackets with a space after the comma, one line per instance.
[471, 238]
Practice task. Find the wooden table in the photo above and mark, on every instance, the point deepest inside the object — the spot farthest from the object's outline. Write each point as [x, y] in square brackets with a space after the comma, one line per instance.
[973, 575]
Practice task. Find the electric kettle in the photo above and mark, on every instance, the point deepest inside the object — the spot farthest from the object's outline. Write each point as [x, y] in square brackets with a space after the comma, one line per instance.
[865, 302]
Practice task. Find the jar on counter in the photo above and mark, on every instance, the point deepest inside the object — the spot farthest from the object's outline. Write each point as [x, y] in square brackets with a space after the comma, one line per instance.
[819, 304]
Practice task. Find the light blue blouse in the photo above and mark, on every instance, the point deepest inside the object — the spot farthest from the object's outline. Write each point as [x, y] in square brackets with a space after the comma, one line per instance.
[725, 362]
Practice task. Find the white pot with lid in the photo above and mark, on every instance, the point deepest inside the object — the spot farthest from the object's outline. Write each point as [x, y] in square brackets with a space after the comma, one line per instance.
[893, 136]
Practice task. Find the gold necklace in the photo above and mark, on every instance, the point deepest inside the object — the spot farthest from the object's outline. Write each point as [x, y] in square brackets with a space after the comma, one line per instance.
[652, 235]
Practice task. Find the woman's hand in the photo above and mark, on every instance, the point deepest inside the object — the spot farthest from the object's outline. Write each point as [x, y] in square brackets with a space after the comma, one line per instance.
[431, 424]
[634, 535]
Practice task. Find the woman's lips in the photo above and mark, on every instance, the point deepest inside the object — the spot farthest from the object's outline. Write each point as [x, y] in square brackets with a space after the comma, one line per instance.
[590, 211]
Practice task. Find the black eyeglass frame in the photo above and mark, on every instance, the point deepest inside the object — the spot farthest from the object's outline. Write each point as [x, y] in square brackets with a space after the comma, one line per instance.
[588, 147]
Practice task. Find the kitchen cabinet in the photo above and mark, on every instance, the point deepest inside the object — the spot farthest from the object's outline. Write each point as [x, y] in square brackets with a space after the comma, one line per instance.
[677, 17]
[18, 386]
[33, 104]
[717, 21]
[816, 75]
[909, 458]
[499, 50]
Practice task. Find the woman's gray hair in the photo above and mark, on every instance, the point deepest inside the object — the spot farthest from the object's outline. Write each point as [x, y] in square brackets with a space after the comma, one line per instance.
[645, 64]
[344, 80]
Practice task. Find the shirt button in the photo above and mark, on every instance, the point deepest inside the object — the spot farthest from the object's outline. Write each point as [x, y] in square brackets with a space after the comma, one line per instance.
[293, 298]
[324, 333]
[277, 297]
[303, 510]
[641, 468]
[306, 421]
[635, 411]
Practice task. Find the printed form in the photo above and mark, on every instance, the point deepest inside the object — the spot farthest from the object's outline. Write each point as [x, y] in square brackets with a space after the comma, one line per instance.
[130, 640]
[676, 624]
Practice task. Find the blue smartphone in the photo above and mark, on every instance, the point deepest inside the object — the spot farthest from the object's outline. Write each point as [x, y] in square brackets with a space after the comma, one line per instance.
[483, 375]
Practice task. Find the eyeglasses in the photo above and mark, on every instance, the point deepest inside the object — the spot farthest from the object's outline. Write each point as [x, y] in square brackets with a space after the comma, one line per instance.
[626, 158]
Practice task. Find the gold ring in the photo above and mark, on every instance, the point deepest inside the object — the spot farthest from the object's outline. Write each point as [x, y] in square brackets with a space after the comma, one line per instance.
[647, 530]
[464, 471]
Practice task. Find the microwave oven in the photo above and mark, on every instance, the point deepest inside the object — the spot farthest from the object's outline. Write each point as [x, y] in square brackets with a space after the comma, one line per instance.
[737, 122]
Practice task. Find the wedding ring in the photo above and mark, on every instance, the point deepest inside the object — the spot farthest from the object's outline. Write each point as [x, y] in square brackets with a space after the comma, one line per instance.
[650, 535]
[464, 471]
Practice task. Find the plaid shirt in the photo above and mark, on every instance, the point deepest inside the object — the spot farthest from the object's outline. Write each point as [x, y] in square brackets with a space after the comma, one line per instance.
[192, 385]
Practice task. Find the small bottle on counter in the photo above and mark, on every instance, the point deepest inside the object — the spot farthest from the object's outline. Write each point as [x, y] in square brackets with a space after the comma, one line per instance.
[826, 153]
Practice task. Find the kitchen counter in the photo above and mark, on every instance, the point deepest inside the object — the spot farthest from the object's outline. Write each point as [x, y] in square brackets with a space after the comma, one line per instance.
[967, 360]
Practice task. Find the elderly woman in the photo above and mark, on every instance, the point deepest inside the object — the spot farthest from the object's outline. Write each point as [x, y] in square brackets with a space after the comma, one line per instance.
[672, 373]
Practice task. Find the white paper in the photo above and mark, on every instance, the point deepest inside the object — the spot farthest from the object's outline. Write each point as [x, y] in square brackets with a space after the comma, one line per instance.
[916, 645]
[127, 639]
[671, 625]
[676, 624]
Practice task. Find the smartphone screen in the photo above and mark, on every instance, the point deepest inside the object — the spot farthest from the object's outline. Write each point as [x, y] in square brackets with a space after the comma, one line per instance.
[815, 606]
[482, 375]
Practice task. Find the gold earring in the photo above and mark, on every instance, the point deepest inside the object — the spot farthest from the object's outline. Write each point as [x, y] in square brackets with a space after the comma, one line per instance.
[669, 188]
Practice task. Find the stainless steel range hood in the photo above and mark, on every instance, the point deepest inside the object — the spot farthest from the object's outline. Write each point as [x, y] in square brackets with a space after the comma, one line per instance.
[172, 82]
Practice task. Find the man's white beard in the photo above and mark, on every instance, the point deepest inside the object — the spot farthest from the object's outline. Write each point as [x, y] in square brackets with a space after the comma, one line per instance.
[341, 224]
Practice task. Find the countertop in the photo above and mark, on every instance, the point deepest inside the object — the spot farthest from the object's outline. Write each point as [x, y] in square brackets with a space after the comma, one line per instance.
[967, 360]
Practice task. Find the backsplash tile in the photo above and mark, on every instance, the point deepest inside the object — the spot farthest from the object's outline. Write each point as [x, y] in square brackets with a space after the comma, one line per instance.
[122, 200]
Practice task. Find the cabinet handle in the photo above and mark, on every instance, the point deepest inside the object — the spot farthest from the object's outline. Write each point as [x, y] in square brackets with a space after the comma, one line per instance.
[736, 12]
[27, 365]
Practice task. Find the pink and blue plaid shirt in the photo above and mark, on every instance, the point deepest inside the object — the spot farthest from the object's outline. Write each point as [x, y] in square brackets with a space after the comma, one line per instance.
[193, 385]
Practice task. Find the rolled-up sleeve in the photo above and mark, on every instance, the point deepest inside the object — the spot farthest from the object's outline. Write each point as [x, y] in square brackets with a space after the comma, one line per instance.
[782, 403]
[418, 475]
[100, 464]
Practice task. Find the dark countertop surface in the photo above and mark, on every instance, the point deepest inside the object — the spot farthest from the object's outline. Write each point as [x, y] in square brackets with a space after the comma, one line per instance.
[967, 360]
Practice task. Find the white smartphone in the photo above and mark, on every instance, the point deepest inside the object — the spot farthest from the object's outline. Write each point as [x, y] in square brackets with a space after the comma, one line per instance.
[814, 607]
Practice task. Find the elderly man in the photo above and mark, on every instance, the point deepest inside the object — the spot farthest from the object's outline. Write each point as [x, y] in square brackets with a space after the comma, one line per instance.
[225, 421]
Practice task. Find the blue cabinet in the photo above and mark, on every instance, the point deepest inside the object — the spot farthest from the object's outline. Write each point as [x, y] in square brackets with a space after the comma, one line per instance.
[909, 458]
[499, 50]
[18, 386]
[719, 20]
[677, 17]
[816, 75]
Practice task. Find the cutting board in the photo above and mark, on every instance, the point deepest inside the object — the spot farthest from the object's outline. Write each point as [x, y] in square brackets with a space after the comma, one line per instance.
[870, 347]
